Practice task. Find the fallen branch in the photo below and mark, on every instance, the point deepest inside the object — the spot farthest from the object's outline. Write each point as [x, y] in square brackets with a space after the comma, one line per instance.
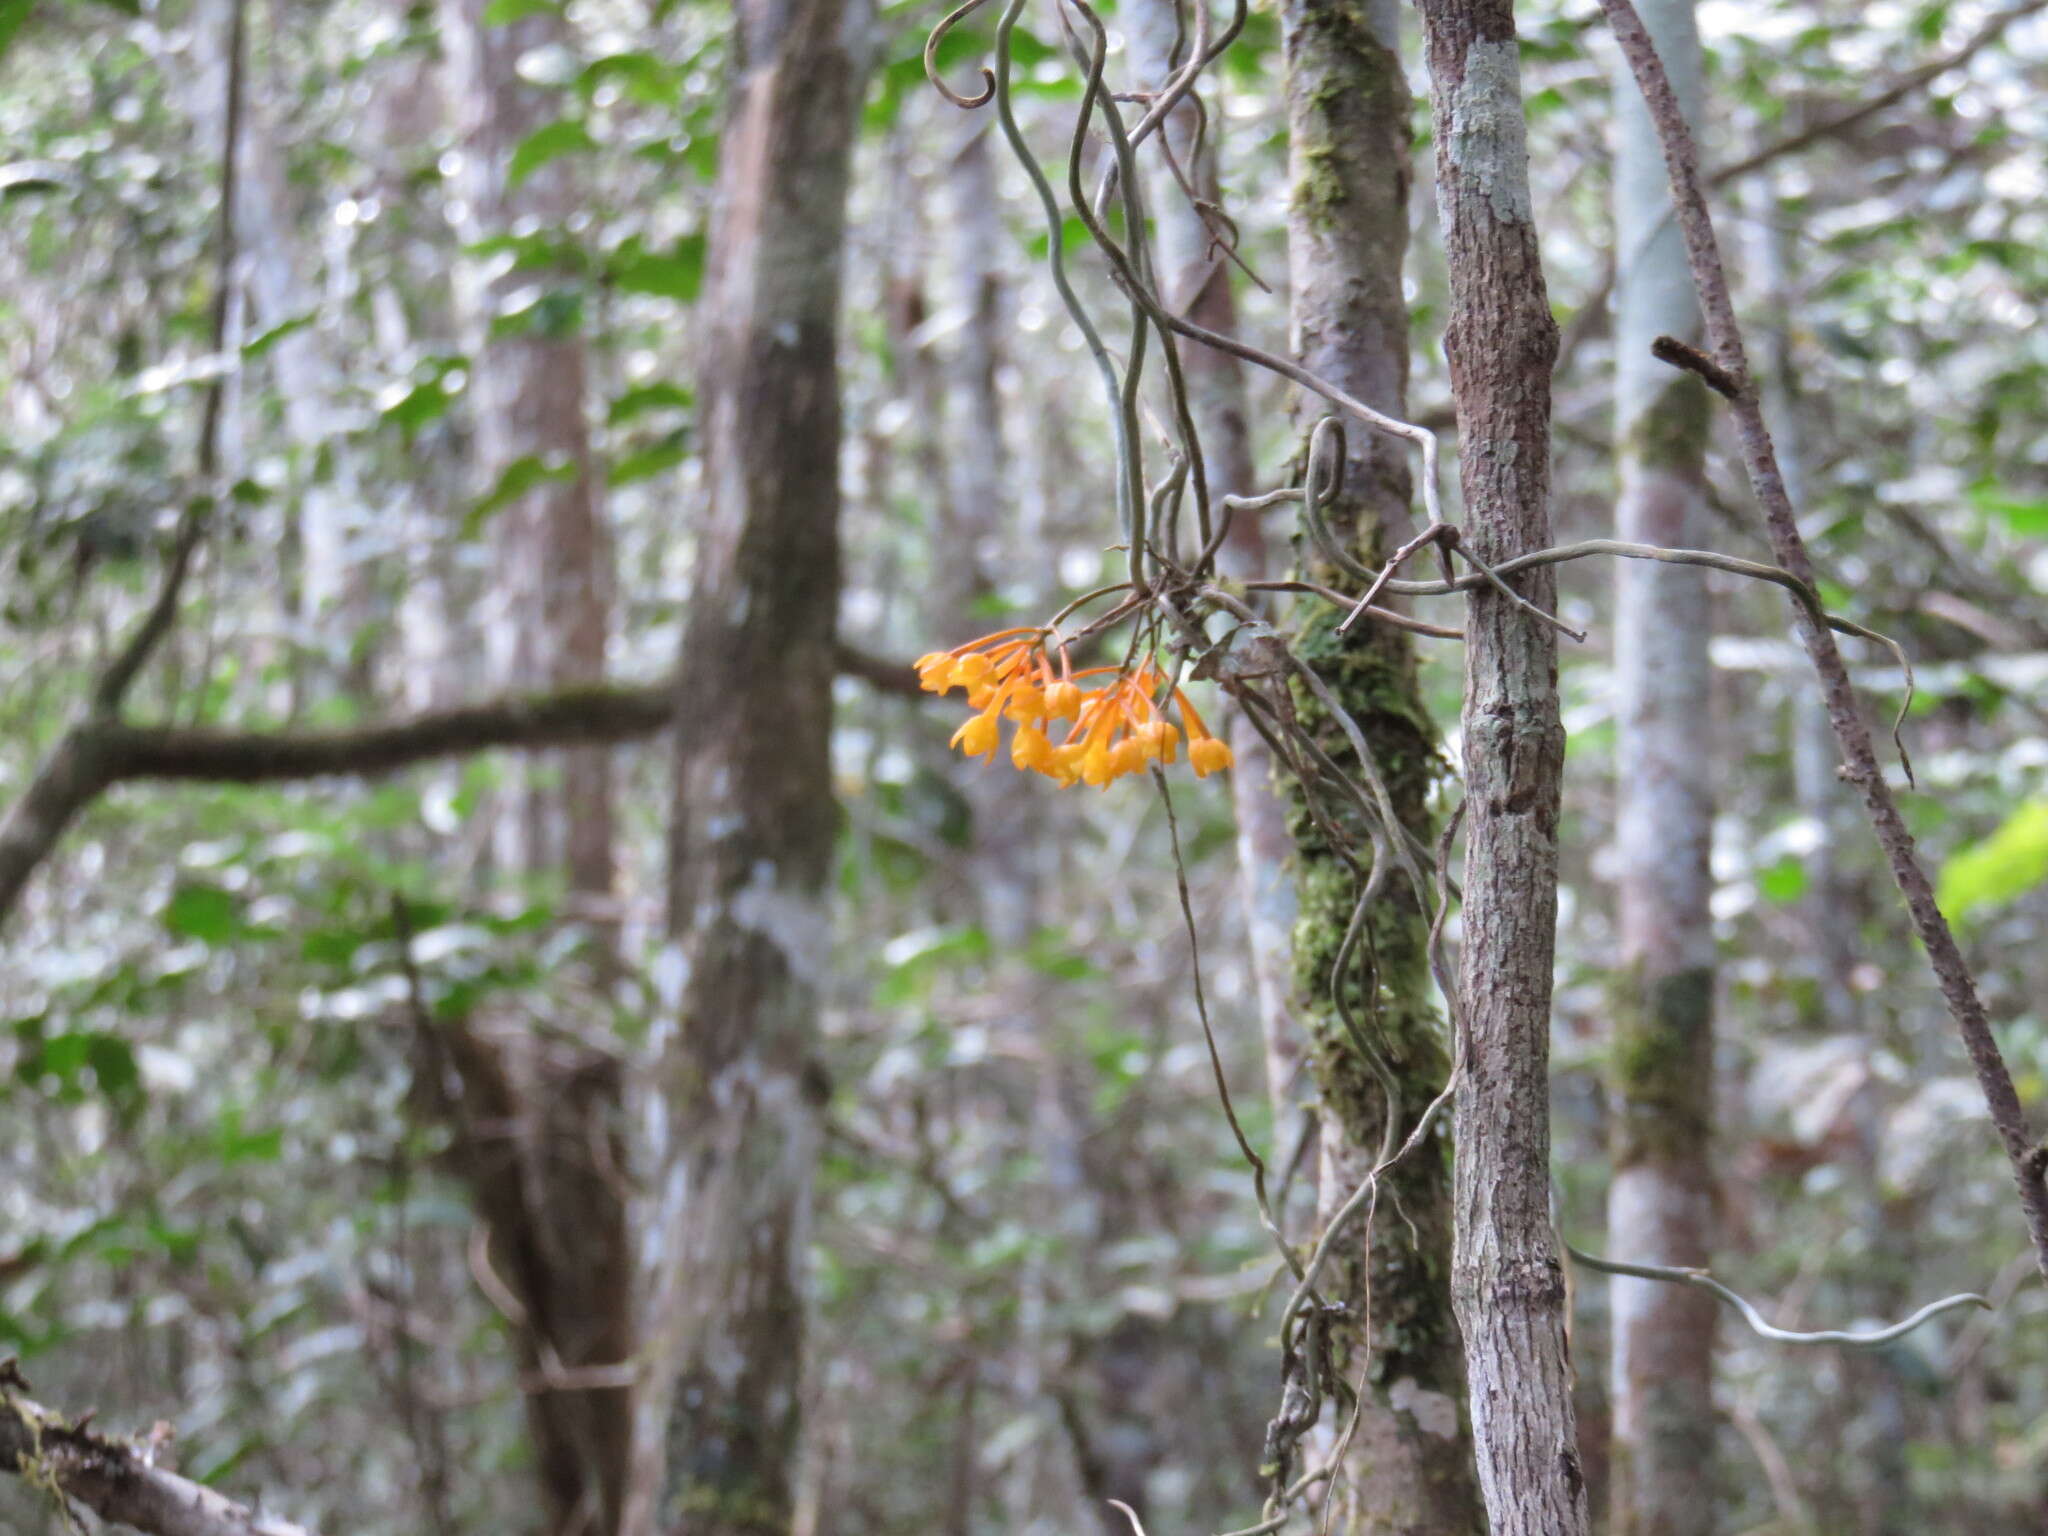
[114, 1479]
[1724, 338]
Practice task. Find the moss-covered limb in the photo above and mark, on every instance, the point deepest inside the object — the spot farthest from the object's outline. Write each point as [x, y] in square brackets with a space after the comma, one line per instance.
[1409, 1468]
[115, 1479]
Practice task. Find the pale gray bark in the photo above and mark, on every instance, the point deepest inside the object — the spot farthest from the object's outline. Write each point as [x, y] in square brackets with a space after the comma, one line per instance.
[116, 1480]
[1507, 1277]
[735, 1123]
[1661, 1203]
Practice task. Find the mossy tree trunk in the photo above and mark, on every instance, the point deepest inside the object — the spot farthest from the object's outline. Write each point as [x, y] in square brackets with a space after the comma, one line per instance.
[1660, 1207]
[1409, 1469]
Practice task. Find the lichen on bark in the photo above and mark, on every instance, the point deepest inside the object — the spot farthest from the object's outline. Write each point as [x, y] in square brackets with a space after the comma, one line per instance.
[1409, 1469]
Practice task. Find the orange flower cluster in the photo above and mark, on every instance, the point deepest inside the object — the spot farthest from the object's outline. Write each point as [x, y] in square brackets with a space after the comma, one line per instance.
[1117, 726]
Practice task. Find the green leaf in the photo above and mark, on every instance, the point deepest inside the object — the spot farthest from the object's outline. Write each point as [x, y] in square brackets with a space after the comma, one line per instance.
[533, 252]
[551, 141]
[411, 407]
[648, 462]
[12, 14]
[552, 313]
[263, 341]
[677, 273]
[641, 76]
[502, 13]
[643, 398]
[113, 1064]
[913, 958]
[2007, 864]
[203, 912]
[519, 477]
[2027, 518]
[1784, 881]
[236, 1145]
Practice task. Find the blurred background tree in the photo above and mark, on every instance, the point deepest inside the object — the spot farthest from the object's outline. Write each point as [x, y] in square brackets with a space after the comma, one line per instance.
[353, 1122]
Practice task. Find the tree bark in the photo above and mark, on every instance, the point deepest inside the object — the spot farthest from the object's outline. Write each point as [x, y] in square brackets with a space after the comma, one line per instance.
[1660, 1207]
[116, 1480]
[548, 613]
[1409, 1469]
[1500, 341]
[551, 1194]
[740, 1091]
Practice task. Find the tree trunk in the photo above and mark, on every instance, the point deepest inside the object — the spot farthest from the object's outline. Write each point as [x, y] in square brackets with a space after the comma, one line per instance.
[1194, 280]
[548, 615]
[1409, 1469]
[1500, 342]
[736, 1126]
[1660, 1207]
[552, 1194]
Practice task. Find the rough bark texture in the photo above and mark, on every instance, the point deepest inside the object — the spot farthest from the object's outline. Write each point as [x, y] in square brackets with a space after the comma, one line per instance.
[1409, 1470]
[740, 1093]
[1852, 733]
[1660, 1207]
[1500, 342]
[1194, 280]
[116, 1480]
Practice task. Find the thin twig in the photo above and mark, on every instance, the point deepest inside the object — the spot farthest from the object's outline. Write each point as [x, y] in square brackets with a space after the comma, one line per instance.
[135, 652]
[1700, 1280]
[1724, 335]
[1841, 122]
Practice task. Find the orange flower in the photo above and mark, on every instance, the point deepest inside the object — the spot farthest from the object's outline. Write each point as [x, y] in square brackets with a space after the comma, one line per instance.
[1118, 725]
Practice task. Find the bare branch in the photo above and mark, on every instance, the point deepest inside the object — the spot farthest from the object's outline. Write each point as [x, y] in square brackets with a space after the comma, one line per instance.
[1839, 123]
[1724, 336]
[135, 652]
[114, 1479]
[1699, 1279]
[100, 752]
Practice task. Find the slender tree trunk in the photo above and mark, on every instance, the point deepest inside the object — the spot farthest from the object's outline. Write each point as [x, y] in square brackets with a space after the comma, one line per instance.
[1660, 1207]
[1194, 279]
[551, 1192]
[548, 615]
[1507, 1277]
[1409, 1469]
[740, 1090]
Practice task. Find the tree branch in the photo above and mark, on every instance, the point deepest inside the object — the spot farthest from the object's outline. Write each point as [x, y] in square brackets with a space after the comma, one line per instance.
[1841, 122]
[100, 751]
[1767, 483]
[114, 1479]
[135, 652]
[1699, 1279]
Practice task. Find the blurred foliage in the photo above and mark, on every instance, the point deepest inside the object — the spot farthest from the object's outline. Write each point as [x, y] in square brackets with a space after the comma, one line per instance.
[223, 1208]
